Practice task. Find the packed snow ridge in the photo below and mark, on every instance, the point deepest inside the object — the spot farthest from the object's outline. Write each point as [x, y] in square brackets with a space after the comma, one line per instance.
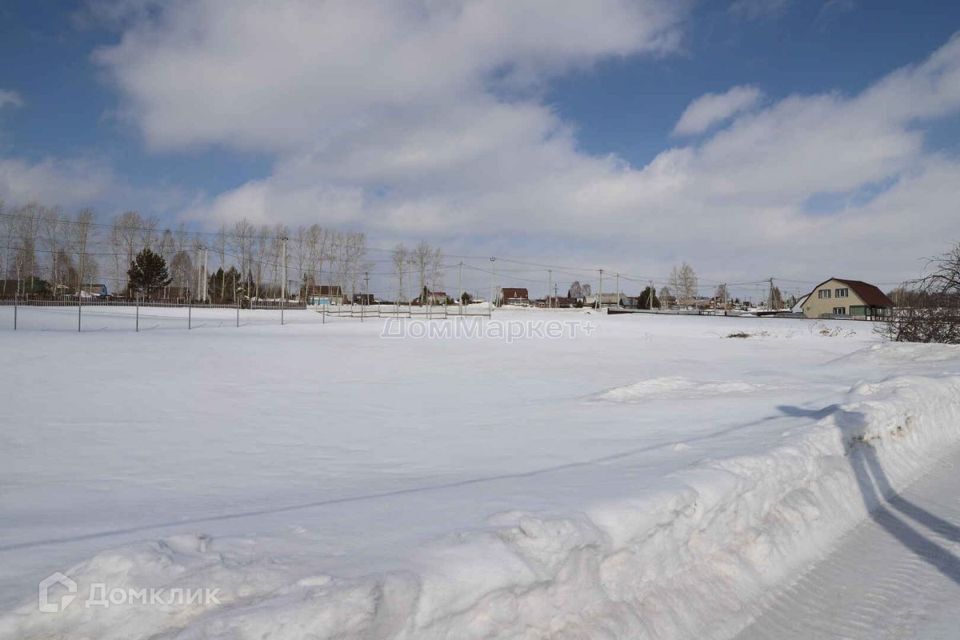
[688, 556]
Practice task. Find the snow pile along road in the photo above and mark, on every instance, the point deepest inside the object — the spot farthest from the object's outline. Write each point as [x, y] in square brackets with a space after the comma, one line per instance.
[683, 555]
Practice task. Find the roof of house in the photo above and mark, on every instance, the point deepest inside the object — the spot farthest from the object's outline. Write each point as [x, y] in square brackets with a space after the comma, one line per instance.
[870, 294]
[514, 292]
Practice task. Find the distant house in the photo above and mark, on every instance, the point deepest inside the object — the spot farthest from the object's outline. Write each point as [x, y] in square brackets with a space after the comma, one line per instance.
[557, 302]
[514, 296]
[841, 297]
[94, 290]
[437, 297]
[606, 300]
[324, 294]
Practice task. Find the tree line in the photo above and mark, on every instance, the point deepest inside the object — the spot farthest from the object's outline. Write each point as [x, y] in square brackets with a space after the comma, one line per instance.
[45, 252]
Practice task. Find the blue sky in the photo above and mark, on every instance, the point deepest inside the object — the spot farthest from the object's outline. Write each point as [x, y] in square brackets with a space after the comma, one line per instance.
[70, 106]
[553, 138]
[630, 106]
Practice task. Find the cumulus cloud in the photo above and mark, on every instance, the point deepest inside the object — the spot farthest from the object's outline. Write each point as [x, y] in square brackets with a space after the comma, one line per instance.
[714, 108]
[426, 120]
[274, 76]
[79, 182]
[53, 180]
[10, 99]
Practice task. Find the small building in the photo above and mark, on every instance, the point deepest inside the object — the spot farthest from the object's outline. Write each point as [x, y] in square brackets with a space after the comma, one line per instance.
[606, 300]
[437, 297]
[839, 297]
[324, 294]
[94, 290]
[557, 302]
[514, 296]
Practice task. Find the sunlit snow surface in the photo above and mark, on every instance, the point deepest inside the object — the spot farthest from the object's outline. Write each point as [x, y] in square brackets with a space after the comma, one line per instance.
[653, 479]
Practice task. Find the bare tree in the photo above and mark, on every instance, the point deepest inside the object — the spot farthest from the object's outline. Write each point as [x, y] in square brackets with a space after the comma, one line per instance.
[220, 246]
[243, 246]
[683, 282]
[181, 272]
[399, 258]
[27, 231]
[52, 230]
[666, 296]
[6, 242]
[83, 234]
[928, 310]
[300, 249]
[262, 248]
[148, 233]
[722, 295]
[126, 237]
[436, 269]
[421, 260]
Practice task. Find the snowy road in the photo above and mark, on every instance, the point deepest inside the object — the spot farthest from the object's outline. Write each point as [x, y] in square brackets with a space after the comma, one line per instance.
[897, 575]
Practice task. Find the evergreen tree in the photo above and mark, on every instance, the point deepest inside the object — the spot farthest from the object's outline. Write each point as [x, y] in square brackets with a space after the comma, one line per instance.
[148, 272]
[644, 301]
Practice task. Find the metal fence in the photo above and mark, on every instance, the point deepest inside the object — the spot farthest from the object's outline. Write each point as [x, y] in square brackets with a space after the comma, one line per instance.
[102, 315]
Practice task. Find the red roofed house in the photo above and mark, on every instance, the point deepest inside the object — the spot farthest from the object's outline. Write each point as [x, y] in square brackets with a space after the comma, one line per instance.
[513, 295]
[840, 297]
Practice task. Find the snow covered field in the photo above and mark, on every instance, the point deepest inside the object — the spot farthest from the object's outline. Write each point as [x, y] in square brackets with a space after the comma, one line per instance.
[649, 477]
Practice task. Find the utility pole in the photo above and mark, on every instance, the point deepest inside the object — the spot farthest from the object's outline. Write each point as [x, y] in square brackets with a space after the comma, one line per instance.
[493, 277]
[653, 292]
[549, 288]
[283, 282]
[366, 288]
[80, 295]
[618, 289]
[199, 288]
[600, 293]
[460, 287]
[206, 274]
[770, 296]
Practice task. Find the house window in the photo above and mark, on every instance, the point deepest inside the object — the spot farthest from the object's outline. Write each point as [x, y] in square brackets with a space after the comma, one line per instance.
[841, 293]
[839, 311]
[823, 293]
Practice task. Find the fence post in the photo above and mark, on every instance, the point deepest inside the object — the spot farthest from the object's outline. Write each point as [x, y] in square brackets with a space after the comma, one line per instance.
[189, 316]
[281, 311]
[15, 305]
[238, 313]
[80, 310]
[137, 302]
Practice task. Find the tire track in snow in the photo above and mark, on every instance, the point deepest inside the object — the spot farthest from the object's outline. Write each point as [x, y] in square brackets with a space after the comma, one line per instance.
[896, 575]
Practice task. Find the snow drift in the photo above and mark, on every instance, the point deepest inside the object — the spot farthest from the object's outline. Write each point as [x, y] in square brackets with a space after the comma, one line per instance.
[690, 557]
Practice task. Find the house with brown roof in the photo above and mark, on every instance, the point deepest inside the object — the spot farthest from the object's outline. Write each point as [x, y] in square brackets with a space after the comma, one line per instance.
[839, 297]
[514, 296]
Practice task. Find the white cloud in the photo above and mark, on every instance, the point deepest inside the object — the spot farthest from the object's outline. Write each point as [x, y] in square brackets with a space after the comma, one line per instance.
[274, 76]
[79, 182]
[67, 183]
[10, 99]
[425, 120]
[713, 108]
